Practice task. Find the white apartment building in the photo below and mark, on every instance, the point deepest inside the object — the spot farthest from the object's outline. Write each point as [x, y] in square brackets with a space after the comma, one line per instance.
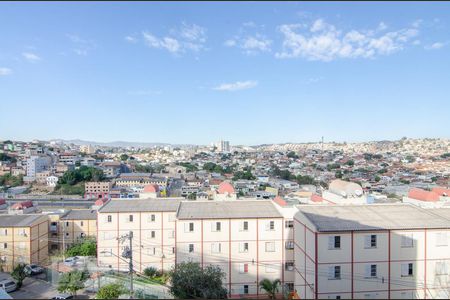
[388, 251]
[247, 239]
[37, 164]
[152, 222]
[223, 146]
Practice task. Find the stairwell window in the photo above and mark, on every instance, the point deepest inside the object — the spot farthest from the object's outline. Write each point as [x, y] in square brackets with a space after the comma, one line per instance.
[334, 272]
[370, 241]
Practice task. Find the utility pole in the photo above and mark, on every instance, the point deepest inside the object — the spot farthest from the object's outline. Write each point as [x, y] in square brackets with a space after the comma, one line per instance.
[128, 253]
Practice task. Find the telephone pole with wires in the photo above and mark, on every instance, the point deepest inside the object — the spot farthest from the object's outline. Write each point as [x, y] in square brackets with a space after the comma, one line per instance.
[128, 253]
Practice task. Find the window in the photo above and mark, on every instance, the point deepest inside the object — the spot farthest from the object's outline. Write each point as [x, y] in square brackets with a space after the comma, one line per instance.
[109, 220]
[407, 240]
[152, 218]
[4, 232]
[243, 268]
[245, 289]
[371, 271]
[290, 286]
[172, 234]
[188, 227]
[191, 248]
[81, 223]
[334, 242]
[289, 244]
[216, 248]
[441, 239]
[289, 224]
[130, 218]
[244, 226]
[243, 247]
[289, 266]
[5, 245]
[370, 241]
[441, 268]
[270, 225]
[67, 224]
[407, 270]
[270, 247]
[173, 250]
[216, 226]
[334, 272]
[153, 234]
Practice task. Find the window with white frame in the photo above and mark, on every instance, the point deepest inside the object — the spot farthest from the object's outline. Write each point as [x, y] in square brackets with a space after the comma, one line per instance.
[152, 218]
[216, 226]
[243, 247]
[289, 245]
[441, 239]
[244, 289]
[334, 272]
[172, 234]
[244, 226]
[5, 245]
[189, 227]
[370, 241]
[172, 218]
[441, 268]
[130, 218]
[407, 269]
[270, 246]
[289, 266]
[216, 247]
[191, 248]
[407, 240]
[152, 234]
[243, 268]
[4, 232]
[270, 225]
[407, 295]
[22, 245]
[109, 219]
[289, 223]
[371, 271]
[334, 242]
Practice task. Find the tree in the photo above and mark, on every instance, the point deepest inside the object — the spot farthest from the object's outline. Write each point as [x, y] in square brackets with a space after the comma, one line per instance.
[377, 178]
[305, 179]
[124, 157]
[350, 163]
[110, 291]
[19, 274]
[192, 196]
[189, 281]
[87, 247]
[338, 174]
[72, 281]
[270, 287]
[292, 154]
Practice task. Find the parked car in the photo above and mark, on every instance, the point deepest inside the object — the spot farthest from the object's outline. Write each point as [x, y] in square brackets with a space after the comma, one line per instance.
[33, 269]
[63, 296]
[8, 285]
[71, 261]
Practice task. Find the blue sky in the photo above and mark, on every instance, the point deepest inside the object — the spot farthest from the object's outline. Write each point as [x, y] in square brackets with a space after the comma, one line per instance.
[250, 73]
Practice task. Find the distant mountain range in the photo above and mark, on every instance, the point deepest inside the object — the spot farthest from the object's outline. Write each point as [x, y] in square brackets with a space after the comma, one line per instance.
[114, 144]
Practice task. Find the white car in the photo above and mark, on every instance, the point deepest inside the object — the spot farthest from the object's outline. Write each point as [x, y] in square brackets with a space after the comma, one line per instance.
[33, 269]
[71, 261]
[8, 285]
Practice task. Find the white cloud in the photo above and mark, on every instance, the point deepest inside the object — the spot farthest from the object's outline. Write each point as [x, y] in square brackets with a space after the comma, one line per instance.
[236, 86]
[5, 71]
[82, 46]
[179, 40]
[131, 39]
[435, 46]
[31, 57]
[249, 40]
[325, 42]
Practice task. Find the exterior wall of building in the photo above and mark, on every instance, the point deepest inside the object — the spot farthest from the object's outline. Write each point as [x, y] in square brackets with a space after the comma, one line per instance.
[426, 250]
[244, 269]
[153, 239]
[75, 230]
[97, 189]
[27, 244]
